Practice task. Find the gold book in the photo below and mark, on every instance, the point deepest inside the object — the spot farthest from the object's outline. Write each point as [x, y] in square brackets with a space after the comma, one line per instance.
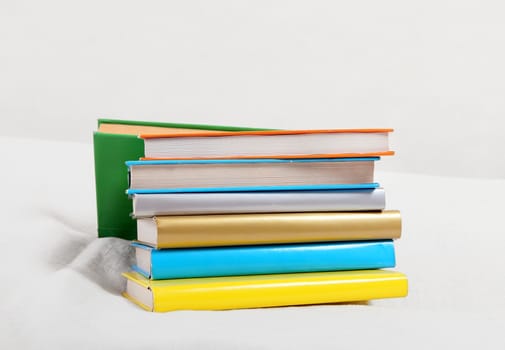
[252, 229]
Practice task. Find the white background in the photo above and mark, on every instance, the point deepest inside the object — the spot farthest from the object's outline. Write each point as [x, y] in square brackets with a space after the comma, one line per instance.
[433, 70]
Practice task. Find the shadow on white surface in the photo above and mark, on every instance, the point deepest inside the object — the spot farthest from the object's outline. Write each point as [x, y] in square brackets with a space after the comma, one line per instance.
[103, 261]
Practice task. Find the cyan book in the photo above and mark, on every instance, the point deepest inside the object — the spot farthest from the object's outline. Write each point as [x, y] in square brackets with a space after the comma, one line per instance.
[370, 185]
[263, 259]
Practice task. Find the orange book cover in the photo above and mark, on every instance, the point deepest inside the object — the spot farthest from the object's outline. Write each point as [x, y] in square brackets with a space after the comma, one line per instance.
[263, 133]
[286, 144]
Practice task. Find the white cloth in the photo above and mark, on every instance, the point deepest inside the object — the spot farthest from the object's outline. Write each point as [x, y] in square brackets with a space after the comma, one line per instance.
[61, 285]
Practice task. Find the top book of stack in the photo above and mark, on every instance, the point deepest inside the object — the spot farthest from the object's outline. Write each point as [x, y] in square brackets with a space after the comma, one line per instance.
[283, 144]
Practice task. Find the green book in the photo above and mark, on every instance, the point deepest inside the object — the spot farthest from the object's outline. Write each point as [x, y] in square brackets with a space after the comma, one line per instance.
[115, 142]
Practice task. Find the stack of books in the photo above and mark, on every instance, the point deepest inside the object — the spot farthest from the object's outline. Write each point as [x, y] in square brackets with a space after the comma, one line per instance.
[242, 219]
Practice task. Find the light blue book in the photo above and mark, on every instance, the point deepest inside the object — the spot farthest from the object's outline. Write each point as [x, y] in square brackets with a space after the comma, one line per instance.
[263, 259]
[250, 175]
[253, 188]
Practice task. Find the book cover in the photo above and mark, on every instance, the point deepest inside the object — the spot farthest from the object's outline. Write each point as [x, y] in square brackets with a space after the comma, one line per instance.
[146, 205]
[262, 259]
[187, 231]
[238, 292]
[112, 148]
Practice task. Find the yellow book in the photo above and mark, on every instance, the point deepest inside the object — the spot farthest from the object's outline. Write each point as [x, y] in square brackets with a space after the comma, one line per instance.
[239, 292]
[245, 229]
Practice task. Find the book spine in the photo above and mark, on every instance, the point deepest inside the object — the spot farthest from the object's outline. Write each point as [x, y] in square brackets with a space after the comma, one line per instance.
[246, 229]
[146, 205]
[224, 293]
[301, 293]
[256, 260]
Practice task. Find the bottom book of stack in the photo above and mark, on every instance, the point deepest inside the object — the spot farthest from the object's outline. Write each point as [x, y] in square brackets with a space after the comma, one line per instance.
[238, 292]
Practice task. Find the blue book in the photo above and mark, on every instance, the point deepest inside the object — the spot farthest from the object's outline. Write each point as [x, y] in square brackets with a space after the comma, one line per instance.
[246, 175]
[263, 259]
[363, 186]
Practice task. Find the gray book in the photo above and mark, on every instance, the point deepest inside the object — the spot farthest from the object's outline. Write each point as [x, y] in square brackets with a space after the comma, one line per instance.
[146, 205]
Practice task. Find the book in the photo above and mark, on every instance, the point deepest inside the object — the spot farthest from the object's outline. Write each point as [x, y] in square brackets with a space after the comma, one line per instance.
[321, 187]
[183, 231]
[114, 143]
[178, 174]
[255, 291]
[269, 144]
[262, 259]
[157, 204]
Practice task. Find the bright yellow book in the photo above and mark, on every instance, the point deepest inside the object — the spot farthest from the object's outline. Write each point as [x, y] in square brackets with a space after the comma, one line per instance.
[239, 292]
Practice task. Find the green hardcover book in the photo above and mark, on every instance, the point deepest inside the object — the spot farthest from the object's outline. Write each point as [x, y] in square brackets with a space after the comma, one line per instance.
[116, 142]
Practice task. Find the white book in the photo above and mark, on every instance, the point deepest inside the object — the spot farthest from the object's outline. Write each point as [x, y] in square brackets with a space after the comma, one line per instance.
[146, 205]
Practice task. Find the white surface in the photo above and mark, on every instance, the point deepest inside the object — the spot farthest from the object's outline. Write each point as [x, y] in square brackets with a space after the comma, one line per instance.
[433, 70]
[62, 291]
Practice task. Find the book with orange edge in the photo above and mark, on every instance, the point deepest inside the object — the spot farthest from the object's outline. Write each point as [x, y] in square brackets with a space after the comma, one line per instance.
[285, 144]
